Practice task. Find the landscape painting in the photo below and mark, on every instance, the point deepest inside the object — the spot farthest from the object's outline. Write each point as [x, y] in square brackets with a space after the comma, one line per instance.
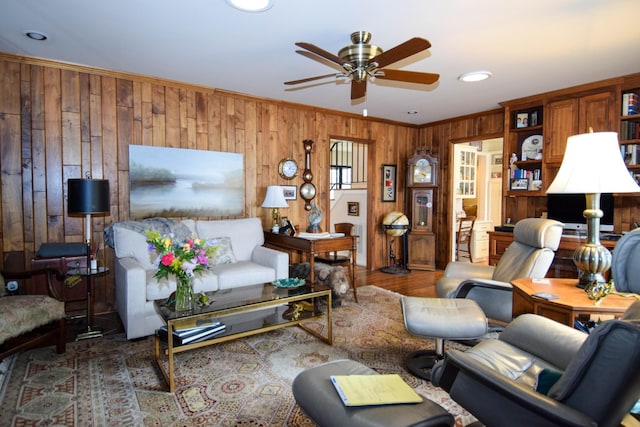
[178, 182]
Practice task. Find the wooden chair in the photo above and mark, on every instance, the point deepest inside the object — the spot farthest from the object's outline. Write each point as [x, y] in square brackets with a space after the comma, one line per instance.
[463, 237]
[28, 321]
[333, 258]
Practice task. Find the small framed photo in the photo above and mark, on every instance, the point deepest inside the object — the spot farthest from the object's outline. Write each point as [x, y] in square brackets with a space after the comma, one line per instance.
[287, 228]
[353, 208]
[519, 184]
[290, 192]
[389, 183]
[534, 118]
[522, 120]
[496, 159]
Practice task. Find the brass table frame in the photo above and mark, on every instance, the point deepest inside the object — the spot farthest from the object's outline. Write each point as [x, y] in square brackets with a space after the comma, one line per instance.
[167, 354]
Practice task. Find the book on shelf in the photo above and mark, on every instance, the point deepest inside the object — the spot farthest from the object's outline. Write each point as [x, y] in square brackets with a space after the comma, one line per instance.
[364, 390]
[195, 335]
[630, 104]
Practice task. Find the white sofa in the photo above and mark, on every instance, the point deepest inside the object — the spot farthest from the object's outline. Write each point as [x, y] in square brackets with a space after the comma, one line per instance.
[241, 260]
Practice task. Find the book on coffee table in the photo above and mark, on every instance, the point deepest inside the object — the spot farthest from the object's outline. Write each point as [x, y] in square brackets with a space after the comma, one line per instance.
[363, 390]
[194, 335]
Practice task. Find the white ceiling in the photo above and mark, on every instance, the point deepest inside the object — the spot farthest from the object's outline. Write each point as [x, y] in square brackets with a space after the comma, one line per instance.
[529, 46]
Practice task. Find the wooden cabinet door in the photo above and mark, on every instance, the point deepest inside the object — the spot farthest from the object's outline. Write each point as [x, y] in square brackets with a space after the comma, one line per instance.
[421, 251]
[560, 123]
[597, 112]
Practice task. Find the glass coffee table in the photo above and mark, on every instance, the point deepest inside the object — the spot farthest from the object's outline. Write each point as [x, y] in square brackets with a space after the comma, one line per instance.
[245, 311]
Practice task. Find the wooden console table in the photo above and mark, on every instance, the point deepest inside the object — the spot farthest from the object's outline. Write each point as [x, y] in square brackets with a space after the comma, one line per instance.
[312, 247]
[562, 265]
[573, 302]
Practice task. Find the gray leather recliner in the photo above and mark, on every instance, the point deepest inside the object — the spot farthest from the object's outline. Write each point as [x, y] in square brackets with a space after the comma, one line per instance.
[531, 253]
[599, 373]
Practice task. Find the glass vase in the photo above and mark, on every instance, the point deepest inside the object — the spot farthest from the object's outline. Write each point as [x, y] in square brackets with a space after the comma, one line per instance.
[184, 295]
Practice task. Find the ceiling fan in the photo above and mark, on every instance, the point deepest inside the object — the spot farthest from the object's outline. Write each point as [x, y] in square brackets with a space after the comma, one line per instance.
[361, 61]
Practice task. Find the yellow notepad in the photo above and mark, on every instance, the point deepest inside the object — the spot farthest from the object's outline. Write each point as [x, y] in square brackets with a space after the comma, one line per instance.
[362, 390]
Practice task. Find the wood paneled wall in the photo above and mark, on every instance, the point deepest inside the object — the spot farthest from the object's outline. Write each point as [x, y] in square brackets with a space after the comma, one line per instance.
[60, 121]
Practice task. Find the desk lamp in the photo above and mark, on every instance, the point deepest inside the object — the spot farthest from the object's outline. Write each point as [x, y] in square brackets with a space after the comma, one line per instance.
[592, 165]
[274, 199]
[87, 197]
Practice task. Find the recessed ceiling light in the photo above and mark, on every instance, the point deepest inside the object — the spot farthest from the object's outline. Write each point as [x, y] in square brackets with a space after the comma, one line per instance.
[412, 112]
[474, 76]
[251, 5]
[36, 35]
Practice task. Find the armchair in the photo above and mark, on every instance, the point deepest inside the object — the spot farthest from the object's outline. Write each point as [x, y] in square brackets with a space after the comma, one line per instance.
[28, 321]
[535, 241]
[598, 375]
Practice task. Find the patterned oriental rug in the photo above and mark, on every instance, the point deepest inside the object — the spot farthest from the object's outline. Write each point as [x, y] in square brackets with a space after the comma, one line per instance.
[247, 382]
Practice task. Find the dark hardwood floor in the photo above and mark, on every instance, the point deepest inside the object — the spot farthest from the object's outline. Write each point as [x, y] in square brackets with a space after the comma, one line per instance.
[415, 283]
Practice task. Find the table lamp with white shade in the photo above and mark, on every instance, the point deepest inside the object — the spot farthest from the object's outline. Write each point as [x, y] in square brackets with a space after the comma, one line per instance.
[274, 199]
[593, 165]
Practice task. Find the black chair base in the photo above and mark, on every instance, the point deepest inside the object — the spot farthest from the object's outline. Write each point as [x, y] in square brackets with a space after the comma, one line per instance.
[419, 363]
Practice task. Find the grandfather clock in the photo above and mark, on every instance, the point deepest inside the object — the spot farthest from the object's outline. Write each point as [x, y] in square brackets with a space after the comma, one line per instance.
[421, 184]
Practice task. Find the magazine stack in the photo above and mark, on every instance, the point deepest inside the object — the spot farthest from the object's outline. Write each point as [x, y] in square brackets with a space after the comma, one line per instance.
[204, 330]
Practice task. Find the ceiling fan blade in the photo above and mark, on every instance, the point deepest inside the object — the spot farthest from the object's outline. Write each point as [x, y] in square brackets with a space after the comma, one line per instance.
[321, 52]
[409, 76]
[358, 90]
[309, 79]
[403, 50]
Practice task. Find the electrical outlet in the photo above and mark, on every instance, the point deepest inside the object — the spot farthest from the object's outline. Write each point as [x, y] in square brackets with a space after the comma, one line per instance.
[12, 286]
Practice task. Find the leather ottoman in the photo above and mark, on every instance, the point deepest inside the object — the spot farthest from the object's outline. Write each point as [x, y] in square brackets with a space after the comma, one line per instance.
[317, 397]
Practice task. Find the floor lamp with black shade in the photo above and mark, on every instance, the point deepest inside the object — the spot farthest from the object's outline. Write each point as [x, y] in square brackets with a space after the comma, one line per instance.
[88, 197]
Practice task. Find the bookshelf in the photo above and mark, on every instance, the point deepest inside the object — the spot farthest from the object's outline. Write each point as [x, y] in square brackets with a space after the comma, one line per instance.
[630, 130]
[524, 151]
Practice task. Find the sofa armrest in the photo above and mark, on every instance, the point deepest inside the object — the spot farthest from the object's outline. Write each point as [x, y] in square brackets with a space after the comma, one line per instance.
[499, 401]
[275, 259]
[131, 295]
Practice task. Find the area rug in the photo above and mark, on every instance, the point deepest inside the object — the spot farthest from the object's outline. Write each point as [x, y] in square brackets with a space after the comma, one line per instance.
[247, 382]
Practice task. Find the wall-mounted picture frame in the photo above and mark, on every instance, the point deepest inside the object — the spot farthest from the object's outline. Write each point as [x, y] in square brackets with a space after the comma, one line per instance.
[353, 208]
[290, 192]
[389, 183]
[519, 184]
[496, 159]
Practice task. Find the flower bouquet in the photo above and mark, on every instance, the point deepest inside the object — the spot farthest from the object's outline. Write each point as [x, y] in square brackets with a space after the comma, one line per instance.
[182, 259]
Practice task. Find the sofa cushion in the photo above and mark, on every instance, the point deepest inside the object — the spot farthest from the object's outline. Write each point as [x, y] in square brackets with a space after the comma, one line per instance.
[246, 234]
[205, 281]
[243, 273]
[224, 253]
[131, 244]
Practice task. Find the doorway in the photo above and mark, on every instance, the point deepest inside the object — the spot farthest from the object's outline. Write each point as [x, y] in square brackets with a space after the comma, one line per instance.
[348, 182]
[476, 188]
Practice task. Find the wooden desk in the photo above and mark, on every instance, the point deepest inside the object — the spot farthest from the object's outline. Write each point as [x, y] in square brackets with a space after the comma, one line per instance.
[573, 301]
[312, 247]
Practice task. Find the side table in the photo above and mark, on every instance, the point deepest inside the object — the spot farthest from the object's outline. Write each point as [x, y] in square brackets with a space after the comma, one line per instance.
[572, 302]
[90, 332]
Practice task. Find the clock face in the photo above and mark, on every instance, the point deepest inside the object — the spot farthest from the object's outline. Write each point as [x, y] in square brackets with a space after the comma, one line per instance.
[307, 191]
[422, 171]
[288, 168]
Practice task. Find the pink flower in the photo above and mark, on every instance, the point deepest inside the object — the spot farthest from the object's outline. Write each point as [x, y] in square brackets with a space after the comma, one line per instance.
[167, 259]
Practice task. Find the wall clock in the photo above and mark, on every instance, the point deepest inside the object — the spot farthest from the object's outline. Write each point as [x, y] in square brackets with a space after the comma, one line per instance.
[288, 168]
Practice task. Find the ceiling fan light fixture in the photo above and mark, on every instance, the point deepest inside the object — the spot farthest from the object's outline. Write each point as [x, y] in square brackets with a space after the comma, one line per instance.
[474, 76]
[251, 5]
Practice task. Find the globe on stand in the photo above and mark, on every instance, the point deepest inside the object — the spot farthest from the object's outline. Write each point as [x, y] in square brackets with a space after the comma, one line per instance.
[395, 224]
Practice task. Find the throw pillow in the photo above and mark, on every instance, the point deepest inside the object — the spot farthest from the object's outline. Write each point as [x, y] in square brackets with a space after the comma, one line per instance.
[224, 254]
[546, 379]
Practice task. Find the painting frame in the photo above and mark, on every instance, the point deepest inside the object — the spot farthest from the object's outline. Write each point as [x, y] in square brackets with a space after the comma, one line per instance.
[182, 182]
[353, 208]
[389, 182]
[290, 192]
